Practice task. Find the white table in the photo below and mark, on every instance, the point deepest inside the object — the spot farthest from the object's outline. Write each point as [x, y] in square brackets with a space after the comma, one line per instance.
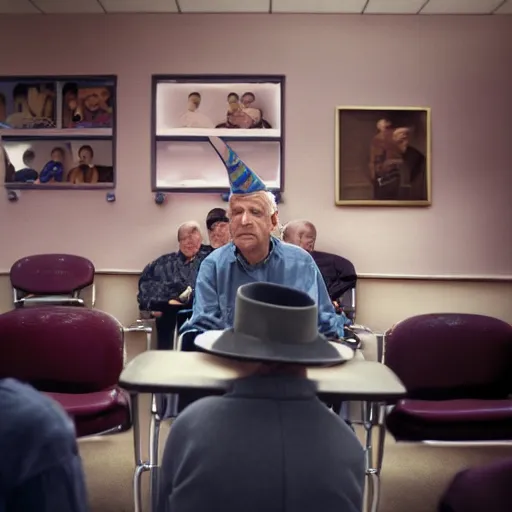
[173, 371]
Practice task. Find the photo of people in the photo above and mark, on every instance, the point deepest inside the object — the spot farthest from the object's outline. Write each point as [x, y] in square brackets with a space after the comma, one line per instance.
[63, 163]
[383, 156]
[207, 108]
[27, 105]
[87, 105]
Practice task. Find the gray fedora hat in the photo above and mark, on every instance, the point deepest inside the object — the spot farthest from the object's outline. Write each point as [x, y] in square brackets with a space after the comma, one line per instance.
[274, 323]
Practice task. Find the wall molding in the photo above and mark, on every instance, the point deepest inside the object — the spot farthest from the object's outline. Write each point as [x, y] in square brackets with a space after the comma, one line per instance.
[363, 276]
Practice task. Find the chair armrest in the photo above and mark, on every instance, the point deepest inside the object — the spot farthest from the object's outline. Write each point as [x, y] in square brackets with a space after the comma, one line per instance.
[54, 300]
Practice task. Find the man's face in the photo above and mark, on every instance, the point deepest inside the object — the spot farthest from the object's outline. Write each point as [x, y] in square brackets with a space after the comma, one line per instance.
[189, 243]
[85, 156]
[247, 99]
[307, 239]
[219, 234]
[193, 102]
[251, 224]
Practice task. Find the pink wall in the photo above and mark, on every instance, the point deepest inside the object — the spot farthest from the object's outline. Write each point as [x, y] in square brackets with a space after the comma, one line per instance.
[459, 66]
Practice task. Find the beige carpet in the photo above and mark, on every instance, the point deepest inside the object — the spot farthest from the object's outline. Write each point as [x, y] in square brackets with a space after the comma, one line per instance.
[413, 478]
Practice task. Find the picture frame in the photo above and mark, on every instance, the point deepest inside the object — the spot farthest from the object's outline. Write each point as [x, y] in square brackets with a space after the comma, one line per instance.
[58, 132]
[383, 156]
[246, 111]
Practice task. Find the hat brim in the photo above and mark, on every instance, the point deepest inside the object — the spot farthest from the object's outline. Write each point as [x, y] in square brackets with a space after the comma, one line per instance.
[239, 346]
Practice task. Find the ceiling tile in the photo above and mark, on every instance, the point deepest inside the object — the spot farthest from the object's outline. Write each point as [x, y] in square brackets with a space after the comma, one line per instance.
[506, 8]
[140, 5]
[69, 6]
[319, 6]
[224, 5]
[460, 6]
[17, 7]
[394, 6]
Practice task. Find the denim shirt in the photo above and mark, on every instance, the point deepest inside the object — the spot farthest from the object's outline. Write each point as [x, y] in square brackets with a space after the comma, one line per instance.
[225, 270]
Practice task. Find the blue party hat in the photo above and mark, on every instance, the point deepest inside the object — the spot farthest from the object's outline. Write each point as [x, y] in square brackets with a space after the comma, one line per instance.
[242, 180]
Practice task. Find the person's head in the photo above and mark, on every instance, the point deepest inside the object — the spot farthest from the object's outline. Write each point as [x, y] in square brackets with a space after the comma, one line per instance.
[301, 233]
[401, 137]
[57, 155]
[217, 224]
[248, 98]
[383, 125]
[28, 158]
[233, 97]
[189, 239]
[253, 217]
[194, 100]
[85, 154]
[278, 369]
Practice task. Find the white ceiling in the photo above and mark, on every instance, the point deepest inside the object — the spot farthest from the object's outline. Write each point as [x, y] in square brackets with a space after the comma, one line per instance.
[258, 6]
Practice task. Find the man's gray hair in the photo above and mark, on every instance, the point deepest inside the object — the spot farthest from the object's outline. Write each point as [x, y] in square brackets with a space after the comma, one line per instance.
[270, 199]
[191, 226]
[295, 225]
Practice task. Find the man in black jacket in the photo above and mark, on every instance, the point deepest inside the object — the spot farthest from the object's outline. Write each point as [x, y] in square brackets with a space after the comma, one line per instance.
[339, 273]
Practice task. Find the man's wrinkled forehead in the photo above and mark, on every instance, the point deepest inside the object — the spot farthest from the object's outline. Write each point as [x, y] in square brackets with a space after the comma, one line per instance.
[257, 199]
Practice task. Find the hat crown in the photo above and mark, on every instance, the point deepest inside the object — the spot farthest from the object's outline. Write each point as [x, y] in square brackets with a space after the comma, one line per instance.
[276, 313]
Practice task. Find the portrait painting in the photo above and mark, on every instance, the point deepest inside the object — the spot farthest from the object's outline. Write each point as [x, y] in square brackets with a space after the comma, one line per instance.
[383, 156]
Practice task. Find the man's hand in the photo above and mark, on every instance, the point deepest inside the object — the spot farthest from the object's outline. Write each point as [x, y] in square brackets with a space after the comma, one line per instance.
[174, 302]
[156, 314]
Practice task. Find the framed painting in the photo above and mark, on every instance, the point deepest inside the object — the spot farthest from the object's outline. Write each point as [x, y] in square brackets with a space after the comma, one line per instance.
[383, 156]
[246, 111]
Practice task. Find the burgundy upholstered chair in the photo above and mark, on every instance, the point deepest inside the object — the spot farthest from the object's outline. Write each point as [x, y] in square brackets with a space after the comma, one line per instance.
[75, 355]
[457, 369]
[478, 489]
[51, 279]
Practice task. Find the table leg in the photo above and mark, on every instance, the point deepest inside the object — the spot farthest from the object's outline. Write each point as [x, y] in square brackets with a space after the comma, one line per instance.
[154, 437]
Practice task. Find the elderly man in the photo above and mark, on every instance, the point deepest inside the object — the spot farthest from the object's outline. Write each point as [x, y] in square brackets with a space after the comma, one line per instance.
[217, 224]
[254, 255]
[166, 284]
[339, 274]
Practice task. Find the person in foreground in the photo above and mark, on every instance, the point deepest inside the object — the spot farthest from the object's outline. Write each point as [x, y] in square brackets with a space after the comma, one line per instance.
[254, 255]
[269, 444]
[40, 467]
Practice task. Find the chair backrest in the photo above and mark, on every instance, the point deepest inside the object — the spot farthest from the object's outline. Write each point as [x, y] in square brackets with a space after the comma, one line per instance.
[61, 349]
[452, 355]
[43, 276]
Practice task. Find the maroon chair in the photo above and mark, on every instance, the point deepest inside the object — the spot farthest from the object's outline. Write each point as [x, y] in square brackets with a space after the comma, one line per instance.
[75, 355]
[457, 369]
[51, 279]
[478, 489]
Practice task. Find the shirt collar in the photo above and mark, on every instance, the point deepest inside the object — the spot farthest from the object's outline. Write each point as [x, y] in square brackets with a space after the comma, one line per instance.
[282, 387]
[239, 257]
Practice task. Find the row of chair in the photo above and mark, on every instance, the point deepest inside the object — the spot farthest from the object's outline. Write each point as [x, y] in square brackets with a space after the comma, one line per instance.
[457, 368]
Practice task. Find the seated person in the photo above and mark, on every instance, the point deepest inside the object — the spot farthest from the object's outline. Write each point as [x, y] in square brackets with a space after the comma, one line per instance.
[339, 273]
[217, 225]
[254, 255]
[40, 468]
[268, 444]
[166, 284]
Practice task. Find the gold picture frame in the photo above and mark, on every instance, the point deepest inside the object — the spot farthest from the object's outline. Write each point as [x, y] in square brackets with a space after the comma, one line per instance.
[383, 156]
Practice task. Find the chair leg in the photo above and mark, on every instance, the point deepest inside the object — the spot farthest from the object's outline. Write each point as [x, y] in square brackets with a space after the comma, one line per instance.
[154, 438]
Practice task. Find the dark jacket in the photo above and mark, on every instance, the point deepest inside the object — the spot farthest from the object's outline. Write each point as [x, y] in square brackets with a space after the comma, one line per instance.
[167, 277]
